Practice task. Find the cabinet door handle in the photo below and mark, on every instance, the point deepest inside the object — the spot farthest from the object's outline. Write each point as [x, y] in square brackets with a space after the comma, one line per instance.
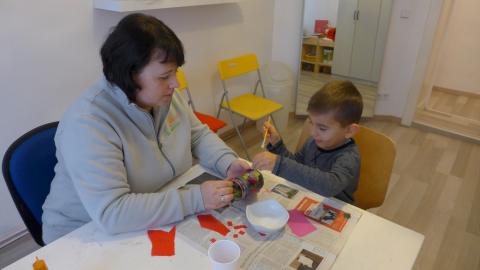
[358, 14]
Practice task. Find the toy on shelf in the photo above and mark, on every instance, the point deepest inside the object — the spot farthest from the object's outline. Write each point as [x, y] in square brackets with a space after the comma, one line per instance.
[331, 32]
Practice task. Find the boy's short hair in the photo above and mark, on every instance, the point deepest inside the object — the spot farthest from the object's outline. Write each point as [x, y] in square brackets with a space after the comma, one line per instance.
[340, 97]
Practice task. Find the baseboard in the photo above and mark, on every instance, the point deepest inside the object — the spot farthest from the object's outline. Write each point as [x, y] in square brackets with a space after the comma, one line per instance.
[448, 133]
[230, 133]
[455, 92]
[388, 118]
[12, 237]
[300, 116]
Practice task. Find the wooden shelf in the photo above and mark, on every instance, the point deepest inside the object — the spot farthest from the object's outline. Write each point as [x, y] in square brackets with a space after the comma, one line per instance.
[316, 41]
[317, 63]
[136, 5]
[313, 49]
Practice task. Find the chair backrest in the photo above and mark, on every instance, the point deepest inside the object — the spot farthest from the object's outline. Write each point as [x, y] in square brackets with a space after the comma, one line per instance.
[232, 67]
[28, 169]
[304, 135]
[182, 79]
[183, 86]
[377, 152]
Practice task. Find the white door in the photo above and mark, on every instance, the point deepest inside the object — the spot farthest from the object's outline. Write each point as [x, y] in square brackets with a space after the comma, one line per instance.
[383, 24]
[342, 54]
[362, 27]
[365, 37]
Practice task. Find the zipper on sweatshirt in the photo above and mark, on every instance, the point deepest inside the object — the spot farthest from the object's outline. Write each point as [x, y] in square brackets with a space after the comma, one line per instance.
[159, 144]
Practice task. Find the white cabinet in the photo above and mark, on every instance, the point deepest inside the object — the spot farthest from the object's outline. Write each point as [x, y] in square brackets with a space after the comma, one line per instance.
[362, 27]
[136, 5]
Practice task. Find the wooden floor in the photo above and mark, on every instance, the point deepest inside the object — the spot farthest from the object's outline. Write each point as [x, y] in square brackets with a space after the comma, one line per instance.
[453, 112]
[434, 190]
[456, 103]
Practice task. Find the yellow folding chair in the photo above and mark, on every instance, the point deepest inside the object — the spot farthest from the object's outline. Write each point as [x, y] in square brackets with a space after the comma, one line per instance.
[249, 106]
[213, 123]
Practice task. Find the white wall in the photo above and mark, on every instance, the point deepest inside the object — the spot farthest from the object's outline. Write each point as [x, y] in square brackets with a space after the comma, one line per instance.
[286, 40]
[319, 10]
[458, 64]
[404, 43]
[49, 55]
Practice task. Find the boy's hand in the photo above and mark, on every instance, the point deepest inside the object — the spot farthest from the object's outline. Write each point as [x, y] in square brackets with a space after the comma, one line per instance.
[272, 136]
[264, 161]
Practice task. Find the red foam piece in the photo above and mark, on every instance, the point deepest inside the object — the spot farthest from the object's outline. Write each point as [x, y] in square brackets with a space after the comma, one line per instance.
[211, 223]
[239, 227]
[241, 232]
[163, 243]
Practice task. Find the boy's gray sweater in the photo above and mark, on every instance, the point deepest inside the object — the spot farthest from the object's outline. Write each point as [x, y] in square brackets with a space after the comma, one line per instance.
[330, 173]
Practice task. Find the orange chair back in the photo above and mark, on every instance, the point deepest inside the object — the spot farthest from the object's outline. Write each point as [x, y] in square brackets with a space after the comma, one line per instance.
[377, 154]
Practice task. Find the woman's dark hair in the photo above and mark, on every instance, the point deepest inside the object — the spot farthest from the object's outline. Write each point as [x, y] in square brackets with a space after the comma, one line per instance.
[340, 97]
[132, 44]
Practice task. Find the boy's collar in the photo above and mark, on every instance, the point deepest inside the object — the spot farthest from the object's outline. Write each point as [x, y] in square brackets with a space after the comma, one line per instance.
[347, 143]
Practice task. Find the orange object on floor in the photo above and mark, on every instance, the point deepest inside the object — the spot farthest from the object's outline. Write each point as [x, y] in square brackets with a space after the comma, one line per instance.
[213, 123]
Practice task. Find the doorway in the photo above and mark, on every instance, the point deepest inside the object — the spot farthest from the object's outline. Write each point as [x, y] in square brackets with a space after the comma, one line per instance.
[450, 97]
[342, 39]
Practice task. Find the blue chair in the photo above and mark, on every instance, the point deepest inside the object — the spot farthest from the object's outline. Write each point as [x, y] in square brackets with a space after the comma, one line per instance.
[28, 170]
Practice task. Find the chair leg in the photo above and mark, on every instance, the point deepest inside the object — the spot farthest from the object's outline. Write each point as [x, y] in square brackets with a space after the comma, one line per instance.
[225, 96]
[273, 120]
[244, 122]
[220, 106]
[239, 135]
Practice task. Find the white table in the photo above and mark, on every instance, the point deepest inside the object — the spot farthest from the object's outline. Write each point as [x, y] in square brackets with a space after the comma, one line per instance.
[375, 243]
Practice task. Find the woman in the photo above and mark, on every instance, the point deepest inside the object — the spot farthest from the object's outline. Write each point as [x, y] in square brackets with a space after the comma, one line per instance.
[129, 135]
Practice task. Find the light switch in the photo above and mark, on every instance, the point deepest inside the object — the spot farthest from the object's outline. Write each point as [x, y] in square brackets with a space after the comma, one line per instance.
[405, 13]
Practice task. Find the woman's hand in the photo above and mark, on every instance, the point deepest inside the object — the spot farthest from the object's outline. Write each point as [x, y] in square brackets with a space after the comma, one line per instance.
[264, 161]
[216, 194]
[272, 134]
[237, 168]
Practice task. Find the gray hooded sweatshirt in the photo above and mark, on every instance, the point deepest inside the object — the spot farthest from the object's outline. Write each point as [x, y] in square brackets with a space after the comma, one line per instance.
[114, 158]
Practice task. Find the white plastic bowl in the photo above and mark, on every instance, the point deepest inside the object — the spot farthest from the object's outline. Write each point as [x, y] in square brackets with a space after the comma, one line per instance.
[267, 216]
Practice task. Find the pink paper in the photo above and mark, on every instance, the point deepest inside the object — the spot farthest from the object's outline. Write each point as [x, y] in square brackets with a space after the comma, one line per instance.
[299, 223]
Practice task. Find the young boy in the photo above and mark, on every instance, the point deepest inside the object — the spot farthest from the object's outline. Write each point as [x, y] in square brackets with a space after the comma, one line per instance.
[329, 161]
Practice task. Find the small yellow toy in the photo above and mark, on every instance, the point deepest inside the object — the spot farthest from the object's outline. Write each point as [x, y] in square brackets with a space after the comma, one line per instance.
[39, 264]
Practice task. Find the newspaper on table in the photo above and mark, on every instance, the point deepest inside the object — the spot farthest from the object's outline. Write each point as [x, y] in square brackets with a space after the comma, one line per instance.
[333, 220]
